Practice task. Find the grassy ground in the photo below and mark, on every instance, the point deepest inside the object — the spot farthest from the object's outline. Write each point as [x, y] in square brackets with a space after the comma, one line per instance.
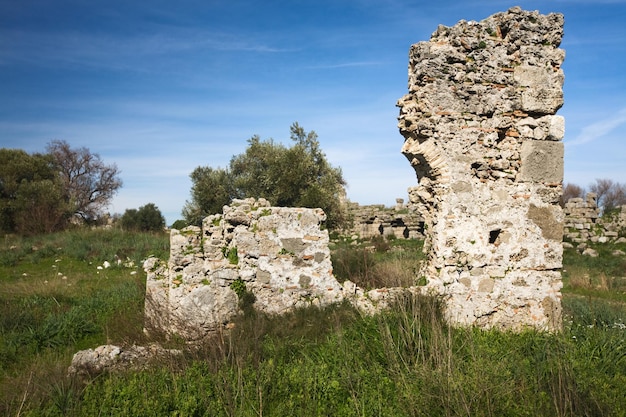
[314, 362]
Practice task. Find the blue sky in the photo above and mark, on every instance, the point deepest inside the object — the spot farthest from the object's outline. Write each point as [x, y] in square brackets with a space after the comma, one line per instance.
[160, 87]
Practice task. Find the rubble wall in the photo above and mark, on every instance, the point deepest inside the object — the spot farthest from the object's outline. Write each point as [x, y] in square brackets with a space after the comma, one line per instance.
[377, 220]
[481, 133]
[279, 255]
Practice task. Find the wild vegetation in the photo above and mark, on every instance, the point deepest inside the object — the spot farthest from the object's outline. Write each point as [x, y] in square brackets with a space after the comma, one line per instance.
[295, 176]
[57, 296]
[43, 193]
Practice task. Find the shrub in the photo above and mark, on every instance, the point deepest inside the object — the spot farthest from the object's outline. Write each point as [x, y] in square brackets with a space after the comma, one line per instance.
[147, 218]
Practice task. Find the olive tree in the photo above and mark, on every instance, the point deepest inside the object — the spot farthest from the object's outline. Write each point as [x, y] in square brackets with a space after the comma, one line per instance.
[31, 199]
[211, 189]
[290, 176]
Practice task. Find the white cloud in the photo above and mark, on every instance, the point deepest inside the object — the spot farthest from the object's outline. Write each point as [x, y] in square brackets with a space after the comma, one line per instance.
[599, 129]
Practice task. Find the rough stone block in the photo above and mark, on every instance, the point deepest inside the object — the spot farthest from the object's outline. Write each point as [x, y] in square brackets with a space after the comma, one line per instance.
[541, 161]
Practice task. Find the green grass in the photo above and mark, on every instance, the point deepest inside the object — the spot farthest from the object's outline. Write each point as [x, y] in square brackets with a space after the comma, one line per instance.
[600, 277]
[378, 262]
[54, 301]
[311, 362]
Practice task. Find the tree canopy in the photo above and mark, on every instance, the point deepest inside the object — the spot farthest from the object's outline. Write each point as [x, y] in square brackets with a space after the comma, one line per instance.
[146, 218]
[39, 193]
[295, 176]
[88, 184]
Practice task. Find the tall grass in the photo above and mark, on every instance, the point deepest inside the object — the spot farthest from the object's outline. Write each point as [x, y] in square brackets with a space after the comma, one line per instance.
[378, 262]
[405, 362]
[312, 362]
[54, 300]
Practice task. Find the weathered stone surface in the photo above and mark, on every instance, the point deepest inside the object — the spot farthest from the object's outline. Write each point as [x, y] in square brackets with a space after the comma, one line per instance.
[584, 224]
[279, 254]
[106, 358]
[377, 220]
[481, 134]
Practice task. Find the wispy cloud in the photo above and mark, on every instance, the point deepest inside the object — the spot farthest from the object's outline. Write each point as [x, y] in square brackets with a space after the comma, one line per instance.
[599, 129]
[117, 52]
[345, 65]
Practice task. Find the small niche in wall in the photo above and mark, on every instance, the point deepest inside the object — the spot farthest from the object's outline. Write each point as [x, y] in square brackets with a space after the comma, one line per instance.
[493, 236]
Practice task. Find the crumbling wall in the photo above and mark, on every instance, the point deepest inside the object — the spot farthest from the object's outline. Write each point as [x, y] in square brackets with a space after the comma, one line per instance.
[279, 255]
[377, 220]
[481, 133]
[583, 222]
[581, 216]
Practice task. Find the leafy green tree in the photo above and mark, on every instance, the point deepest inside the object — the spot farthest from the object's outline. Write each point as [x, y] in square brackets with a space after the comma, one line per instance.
[146, 218]
[30, 193]
[211, 190]
[88, 184]
[296, 176]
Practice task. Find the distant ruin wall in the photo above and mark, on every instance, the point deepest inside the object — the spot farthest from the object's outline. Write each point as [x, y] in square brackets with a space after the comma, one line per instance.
[377, 220]
[584, 224]
[481, 133]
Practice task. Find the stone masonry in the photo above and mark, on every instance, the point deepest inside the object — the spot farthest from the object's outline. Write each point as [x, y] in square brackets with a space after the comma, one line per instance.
[377, 220]
[278, 254]
[481, 133]
[581, 216]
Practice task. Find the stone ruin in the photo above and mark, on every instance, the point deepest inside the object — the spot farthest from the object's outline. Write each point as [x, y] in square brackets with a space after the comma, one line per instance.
[481, 133]
[278, 254]
[377, 220]
[584, 224]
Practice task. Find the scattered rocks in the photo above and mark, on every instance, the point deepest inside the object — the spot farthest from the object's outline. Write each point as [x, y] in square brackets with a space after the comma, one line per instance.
[107, 358]
[590, 252]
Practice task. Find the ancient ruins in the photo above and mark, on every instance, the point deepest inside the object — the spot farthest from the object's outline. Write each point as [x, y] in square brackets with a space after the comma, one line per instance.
[377, 220]
[481, 133]
[584, 224]
[278, 257]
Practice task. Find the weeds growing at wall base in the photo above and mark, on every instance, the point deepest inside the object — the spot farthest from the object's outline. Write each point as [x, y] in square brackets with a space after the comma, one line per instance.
[312, 362]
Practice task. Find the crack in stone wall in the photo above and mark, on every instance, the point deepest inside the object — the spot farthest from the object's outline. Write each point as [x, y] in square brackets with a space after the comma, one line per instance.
[481, 133]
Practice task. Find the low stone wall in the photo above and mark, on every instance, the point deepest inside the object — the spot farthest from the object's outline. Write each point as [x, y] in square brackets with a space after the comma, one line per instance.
[278, 254]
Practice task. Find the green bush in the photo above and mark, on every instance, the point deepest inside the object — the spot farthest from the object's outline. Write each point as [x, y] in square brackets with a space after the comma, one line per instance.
[146, 218]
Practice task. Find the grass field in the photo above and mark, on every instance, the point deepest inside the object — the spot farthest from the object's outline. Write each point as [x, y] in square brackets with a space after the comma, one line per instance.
[57, 297]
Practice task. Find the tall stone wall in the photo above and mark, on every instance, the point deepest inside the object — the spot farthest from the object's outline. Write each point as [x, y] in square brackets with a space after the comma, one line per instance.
[481, 133]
